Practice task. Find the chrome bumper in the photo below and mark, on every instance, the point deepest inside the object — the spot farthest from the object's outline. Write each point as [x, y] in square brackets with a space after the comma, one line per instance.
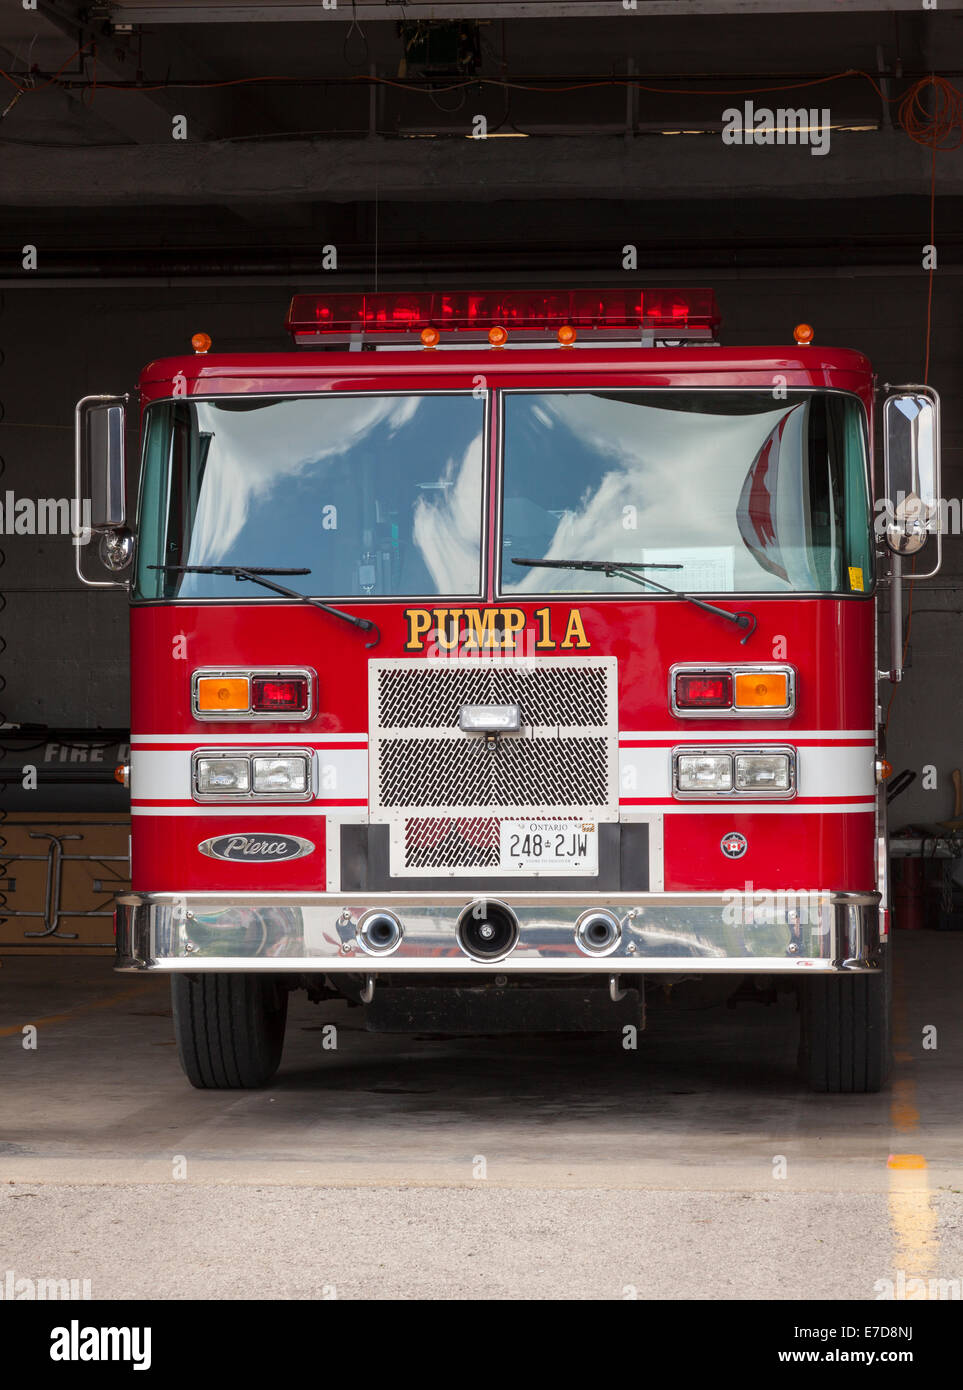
[669, 933]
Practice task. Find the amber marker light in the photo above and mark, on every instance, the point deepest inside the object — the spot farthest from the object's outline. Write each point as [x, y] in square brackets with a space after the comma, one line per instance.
[762, 690]
[201, 342]
[498, 336]
[429, 337]
[227, 693]
[804, 334]
[567, 335]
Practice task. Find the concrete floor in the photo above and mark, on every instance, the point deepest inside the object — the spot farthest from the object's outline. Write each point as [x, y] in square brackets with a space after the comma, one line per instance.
[476, 1167]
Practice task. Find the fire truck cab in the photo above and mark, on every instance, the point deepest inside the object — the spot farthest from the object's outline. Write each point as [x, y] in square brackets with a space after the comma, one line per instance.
[504, 657]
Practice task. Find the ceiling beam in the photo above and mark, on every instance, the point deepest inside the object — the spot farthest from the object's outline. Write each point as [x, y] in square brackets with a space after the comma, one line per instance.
[144, 117]
[877, 164]
[259, 12]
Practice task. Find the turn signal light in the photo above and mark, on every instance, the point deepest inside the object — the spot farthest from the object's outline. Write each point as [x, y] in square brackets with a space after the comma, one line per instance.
[732, 692]
[258, 693]
[227, 693]
[290, 694]
[703, 692]
[762, 690]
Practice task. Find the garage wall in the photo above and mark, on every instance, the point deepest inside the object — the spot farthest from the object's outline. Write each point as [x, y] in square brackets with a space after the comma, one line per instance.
[66, 656]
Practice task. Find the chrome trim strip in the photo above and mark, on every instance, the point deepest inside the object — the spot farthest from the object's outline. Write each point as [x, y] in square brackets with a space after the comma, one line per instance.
[729, 933]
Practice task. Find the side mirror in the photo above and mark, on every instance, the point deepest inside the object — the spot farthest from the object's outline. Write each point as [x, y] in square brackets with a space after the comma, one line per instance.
[105, 466]
[100, 482]
[911, 470]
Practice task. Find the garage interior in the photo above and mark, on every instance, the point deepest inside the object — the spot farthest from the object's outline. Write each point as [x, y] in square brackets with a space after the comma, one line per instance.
[175, 166]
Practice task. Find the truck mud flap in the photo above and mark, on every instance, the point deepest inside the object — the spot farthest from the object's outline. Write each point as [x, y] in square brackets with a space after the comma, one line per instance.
[480, 1010]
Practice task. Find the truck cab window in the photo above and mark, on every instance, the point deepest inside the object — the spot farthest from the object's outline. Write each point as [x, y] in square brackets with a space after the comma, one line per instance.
[730, 491]
[377, 495]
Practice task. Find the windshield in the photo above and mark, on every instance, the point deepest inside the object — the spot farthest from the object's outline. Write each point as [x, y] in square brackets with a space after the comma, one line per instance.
[713, 491]
[375, 495]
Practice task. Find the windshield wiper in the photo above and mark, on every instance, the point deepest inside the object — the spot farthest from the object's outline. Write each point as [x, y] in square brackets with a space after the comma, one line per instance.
[256, 574]
[624, 569]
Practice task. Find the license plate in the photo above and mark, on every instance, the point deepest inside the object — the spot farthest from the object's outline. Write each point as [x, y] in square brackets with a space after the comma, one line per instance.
[549, 846]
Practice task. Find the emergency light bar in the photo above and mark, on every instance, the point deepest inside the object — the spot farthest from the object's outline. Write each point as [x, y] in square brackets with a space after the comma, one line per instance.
[638, 315]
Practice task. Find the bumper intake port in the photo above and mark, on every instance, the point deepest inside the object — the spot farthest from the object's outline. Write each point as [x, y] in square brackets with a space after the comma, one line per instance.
[487, 930]
[598, 933]
[380, 933]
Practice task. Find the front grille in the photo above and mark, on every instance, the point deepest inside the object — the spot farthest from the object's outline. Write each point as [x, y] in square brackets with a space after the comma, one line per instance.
[457, 842]
[424, 698]
[515, 771]
[428, 776]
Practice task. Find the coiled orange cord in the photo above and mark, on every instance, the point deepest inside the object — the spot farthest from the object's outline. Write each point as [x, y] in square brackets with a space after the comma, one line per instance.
[938, 123]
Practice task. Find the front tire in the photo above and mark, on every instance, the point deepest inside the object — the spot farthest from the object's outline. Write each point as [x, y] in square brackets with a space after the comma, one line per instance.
[229, 1029]
[846, 1038]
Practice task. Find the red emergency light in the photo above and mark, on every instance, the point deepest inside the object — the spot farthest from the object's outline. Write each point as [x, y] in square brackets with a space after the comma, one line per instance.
[631, 313]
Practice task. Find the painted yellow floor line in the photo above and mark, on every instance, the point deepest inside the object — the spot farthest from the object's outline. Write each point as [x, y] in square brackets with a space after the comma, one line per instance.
[68, 1014]
[912, 1217]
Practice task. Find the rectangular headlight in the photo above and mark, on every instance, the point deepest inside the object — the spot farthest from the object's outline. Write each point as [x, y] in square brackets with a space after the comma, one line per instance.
[762, 772]
[224, 775]
[490, 719]
[280, 775]
[704, 772]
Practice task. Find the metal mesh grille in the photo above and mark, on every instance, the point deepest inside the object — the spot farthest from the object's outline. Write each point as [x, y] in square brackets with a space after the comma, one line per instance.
[433, 842]
[444, 792]
[513, 772]
[429, 696]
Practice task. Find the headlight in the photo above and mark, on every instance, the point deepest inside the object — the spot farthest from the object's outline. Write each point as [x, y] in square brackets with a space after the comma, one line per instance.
[490, 719]
[252, 775]
[708, 773]
[224, 775]
[762, 772]
[739, 774]
[280, 774]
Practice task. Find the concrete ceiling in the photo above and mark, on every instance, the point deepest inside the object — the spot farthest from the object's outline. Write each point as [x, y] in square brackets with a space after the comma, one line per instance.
[284, 11]
[603, 127]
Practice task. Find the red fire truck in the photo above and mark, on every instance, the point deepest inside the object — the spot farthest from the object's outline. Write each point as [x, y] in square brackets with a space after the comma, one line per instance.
[504, 657]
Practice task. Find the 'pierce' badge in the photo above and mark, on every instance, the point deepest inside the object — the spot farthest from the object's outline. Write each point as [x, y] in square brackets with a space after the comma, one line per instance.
[259, 847]
[734, 845]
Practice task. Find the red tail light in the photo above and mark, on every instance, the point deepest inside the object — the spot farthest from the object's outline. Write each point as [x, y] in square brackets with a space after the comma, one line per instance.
[703, 692]
[289, 695]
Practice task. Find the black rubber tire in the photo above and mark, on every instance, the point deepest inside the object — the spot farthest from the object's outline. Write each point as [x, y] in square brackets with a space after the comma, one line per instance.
[229, 1029]
[846, 1031]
